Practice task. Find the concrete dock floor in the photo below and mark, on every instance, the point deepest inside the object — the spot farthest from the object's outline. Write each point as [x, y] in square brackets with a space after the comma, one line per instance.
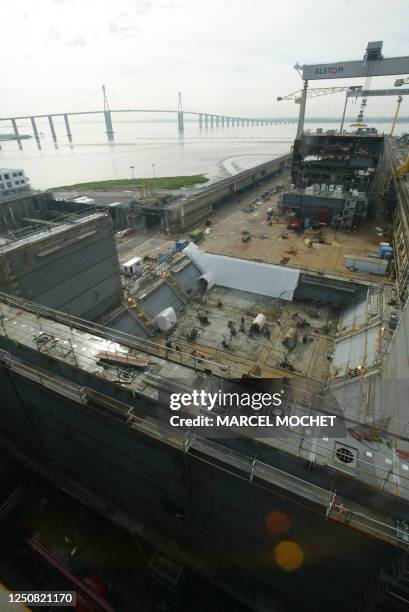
[267, 244]
[308, 358]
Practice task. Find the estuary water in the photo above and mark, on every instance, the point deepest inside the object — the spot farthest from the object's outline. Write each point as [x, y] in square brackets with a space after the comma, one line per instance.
[148, 145]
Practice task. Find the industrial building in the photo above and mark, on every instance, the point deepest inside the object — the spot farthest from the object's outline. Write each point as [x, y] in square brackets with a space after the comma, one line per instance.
[13, 180]
[328, 204]
[59, 259]
[124, 213]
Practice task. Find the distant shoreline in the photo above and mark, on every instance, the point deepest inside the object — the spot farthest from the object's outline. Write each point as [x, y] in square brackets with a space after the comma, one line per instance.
[161, 182]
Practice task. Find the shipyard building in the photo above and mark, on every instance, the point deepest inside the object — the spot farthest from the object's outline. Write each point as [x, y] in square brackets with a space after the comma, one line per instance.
[13, 181]
[302, 290]
[57, 257]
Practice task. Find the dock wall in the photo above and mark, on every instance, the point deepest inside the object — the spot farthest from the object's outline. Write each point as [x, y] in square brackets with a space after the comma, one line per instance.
[184, 215]
[76, 271]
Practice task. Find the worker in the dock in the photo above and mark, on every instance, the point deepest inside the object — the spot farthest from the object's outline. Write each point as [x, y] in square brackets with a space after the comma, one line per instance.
[168, 345]
[242, 325]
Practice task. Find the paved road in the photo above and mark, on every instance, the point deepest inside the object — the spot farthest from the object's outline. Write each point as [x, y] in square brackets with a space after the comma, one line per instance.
[153, 241]
[150, 242]
[101, 197]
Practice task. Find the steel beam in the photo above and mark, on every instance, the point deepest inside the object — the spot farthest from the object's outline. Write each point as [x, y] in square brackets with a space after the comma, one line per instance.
[367, 93]
[356, 69]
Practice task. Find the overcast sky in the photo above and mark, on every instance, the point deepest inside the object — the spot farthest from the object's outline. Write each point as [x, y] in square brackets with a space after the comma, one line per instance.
[226, 56]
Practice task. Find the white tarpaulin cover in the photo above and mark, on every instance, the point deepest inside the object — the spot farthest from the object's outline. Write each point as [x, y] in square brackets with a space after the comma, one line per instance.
[208, 279]
[261, 278]
[166, 319]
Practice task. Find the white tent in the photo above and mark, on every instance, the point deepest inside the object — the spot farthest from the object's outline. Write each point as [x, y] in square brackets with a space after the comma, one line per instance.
[261, 278]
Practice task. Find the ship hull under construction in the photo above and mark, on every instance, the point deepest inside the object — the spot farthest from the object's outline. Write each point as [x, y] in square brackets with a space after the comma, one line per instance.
[259, 526]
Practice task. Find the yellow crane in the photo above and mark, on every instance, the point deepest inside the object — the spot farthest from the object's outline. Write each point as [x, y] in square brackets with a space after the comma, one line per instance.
[404, 168]
[396, 115]
[398, 83]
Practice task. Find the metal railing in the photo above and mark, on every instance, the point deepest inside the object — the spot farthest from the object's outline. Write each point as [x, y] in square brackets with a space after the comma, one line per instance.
[235, 463]
[144, 345]
[299, 441]
[53, 382]
[352, 413]
[352, 515]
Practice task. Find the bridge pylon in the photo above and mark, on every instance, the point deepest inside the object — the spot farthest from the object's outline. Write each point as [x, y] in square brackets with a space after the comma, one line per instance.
[107, 115]
[181, 124]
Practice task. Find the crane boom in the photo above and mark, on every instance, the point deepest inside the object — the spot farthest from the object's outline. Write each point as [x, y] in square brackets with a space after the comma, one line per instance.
[318, 91]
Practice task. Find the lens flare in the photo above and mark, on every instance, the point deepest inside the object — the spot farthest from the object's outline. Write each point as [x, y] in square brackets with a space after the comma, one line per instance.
[277, 523]
[289, 555]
